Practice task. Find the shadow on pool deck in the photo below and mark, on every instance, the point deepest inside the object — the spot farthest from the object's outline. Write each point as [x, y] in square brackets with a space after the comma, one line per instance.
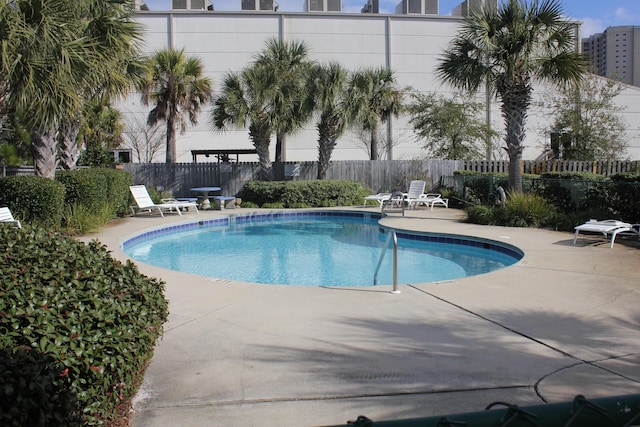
[563, 321]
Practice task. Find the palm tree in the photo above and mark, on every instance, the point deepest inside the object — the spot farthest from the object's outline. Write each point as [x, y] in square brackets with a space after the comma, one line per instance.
[245, 101]
[45, 60]
[176, 87]
[326, 88]
[511, 48]
[288, 61]
[373, 96]
[116, 38]
[52, 56]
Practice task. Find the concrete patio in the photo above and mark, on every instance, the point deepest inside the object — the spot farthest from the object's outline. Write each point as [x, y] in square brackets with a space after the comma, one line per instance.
[563, 321]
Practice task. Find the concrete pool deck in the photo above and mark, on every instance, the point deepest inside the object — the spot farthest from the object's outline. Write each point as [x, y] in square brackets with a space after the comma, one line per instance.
[563, 321]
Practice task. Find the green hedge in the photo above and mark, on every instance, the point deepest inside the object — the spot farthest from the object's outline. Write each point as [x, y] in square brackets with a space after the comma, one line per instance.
[33, 200]
[77, 329]
[95, 188]
[295, 194]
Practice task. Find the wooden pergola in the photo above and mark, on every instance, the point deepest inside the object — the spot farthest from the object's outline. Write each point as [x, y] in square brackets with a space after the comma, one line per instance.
[223, 155]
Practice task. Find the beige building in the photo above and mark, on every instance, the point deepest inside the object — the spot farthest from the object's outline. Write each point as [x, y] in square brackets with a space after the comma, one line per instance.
[615, 53]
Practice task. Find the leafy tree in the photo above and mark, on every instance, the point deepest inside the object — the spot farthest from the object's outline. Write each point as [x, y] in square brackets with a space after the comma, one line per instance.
[288, 62]
[450, 129]
[326, 89]
[175, 85]
[511, 48]
[373, 96]
[585, 112]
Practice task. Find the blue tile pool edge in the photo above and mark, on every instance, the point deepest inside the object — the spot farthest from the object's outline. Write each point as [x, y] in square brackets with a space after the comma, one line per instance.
[245, 218]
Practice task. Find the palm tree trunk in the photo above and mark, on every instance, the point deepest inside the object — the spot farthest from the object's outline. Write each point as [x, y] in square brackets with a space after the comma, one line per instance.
[171, 139]
[374, 144]
[327, 137]
[261, 140]
[44, 147]
[69, 150]
[281, 147]
[515, 103]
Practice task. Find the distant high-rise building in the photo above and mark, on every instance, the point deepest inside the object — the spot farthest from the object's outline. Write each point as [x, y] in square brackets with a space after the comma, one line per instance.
[417, 7]
[615, 53]
[323, 5]
[466, 6]
[372, 6]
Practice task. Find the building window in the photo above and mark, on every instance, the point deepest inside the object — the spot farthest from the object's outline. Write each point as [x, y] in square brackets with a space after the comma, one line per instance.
[197, 4]
[316, 5]
[266, 4]
[248, 4]
[334, 5]
[179, 4]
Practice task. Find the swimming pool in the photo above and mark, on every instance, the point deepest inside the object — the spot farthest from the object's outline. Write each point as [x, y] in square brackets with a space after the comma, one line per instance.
[314, 248]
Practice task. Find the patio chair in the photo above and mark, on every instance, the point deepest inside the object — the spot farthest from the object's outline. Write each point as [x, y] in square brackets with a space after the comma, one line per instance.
[607, 227]
[380, 198]
[144, 202]
[7, 217]
[430, 200]
[416, 190]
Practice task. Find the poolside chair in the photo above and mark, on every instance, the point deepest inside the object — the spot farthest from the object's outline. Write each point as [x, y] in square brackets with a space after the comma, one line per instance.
[607, 227]
[416, 190]
[144, 202]
[7, 218]
[380, 198]
[430, 200]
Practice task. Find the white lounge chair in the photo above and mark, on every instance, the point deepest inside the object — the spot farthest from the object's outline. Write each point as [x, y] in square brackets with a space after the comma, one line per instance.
[7, 217]
[416, 190]
[607, 227]
[144, 202]
[431, 199]
[380, 198]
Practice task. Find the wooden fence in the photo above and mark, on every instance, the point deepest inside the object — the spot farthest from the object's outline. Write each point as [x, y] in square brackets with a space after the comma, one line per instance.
[379, 175]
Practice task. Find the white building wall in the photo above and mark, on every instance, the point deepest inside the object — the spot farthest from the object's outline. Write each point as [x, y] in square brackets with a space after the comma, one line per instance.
[410, 44]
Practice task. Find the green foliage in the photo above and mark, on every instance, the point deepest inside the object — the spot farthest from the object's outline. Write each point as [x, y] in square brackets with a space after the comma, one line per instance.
[520, 210]
[273, 205]
[450, 129]
[34, 200]
[590, 123]
[94, 196]
[96, 157]
[33, 393]
[95, 320]
[322, 193]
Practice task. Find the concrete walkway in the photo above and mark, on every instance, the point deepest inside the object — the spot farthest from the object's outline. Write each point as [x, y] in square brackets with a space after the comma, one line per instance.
[561, 322]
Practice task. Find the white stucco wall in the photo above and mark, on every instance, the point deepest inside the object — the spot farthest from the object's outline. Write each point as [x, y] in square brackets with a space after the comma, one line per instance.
[409, 45]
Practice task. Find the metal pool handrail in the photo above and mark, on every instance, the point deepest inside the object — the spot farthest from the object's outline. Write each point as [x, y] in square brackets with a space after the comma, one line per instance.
[392, 236]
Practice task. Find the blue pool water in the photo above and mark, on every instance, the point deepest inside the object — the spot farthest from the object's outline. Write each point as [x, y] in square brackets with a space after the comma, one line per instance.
[314, 249]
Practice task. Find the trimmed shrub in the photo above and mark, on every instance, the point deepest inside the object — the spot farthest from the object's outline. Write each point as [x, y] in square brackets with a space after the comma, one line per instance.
[83, 187]
[33, 199]
[86, 325]
[321, 193]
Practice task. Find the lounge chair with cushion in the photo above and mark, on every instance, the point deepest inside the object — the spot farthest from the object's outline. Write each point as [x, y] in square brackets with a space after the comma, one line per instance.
[144, 202]
[7, 217]
[607, 227]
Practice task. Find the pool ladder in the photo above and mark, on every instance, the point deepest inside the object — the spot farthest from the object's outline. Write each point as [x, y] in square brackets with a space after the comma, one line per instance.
[394, 238]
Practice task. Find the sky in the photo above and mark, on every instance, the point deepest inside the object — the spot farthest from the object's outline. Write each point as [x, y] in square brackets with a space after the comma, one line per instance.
[596, 15]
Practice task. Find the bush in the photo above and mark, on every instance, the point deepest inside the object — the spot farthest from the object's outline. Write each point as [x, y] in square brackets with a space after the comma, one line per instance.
[520, 210]
[87, 325]
[33, 199]
[322, 193]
